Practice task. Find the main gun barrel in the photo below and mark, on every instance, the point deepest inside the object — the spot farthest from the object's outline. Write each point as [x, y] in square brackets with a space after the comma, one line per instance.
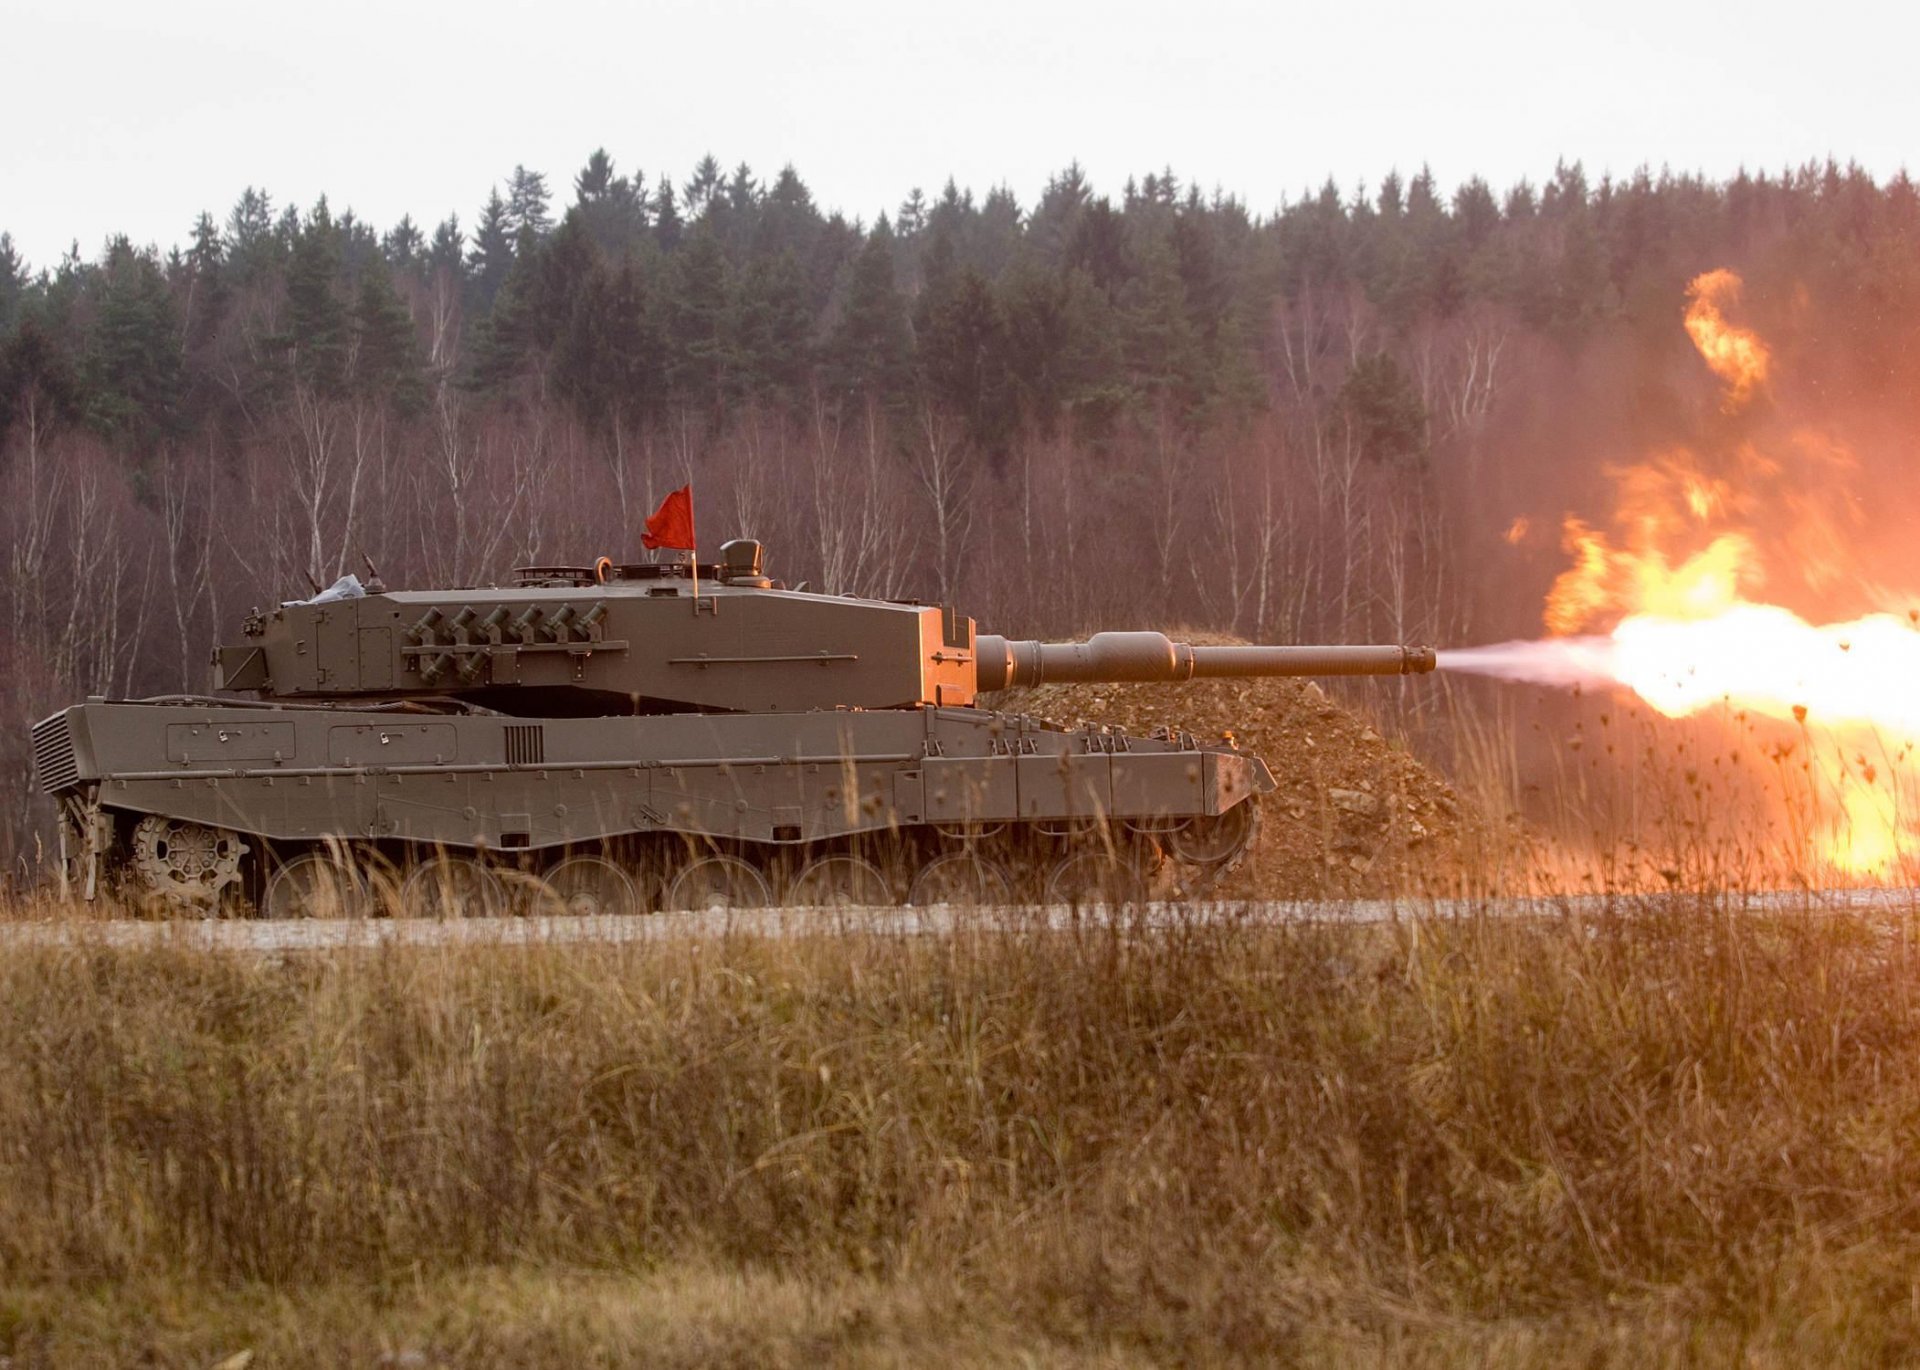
[1154, 658]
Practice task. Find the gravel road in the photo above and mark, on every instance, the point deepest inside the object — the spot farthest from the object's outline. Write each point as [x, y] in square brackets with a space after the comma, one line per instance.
[324, 934]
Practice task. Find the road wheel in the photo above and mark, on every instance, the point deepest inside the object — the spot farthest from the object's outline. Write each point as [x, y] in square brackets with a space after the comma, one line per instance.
[316, 884]
[961, 878]
[840, 881]
[1215, 845]
[588, 886]
[1095, 875]
[716, 884]
[453, 887]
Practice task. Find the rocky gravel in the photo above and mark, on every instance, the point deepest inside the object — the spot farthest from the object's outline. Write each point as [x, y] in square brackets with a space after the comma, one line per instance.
[1355, 815]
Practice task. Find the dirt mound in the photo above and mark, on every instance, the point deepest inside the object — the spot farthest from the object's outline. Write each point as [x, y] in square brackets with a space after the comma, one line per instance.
[1354, 814]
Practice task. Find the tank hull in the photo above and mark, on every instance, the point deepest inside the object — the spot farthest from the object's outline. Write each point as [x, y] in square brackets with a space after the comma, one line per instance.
[772, 788]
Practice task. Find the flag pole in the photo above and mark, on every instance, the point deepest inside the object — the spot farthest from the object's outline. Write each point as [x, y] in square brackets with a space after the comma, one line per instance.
[694, 551]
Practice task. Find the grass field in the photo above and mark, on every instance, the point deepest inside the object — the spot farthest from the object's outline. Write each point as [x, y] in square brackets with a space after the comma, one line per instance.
[1657, 1138]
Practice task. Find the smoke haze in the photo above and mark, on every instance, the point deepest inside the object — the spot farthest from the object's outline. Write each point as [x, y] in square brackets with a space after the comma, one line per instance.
[1565, 662]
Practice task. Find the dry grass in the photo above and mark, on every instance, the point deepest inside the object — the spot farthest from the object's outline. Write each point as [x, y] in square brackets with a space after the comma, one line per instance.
[1665, 1136]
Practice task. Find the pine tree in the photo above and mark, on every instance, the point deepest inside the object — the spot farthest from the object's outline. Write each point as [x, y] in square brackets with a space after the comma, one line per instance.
[1566, 194]
[133, 357]
[608, 205]
[743, 192]
[502, 338]
[789, 222]
[699, 192]
[404, 244]
[491, 258]
[205, 270]
[868, 353]
[13, 283]
[1164, 353]
[1062, 349]
[1475, 211]
[357, 244]
[1098, 246]
[595, 178]
[666, 216]
[953, 212]
[609, 363]
[997, 239]
[698, 332]
[1203, 275]
[960, 349]
[37, 375]
[316, 338]
[772, 326]
[563, 276]
[1391, 202]
[1057, 217]
[254, 244]
[447, 252]
[527, 205]
[911, 218]
[1382, 411]
[386, 367]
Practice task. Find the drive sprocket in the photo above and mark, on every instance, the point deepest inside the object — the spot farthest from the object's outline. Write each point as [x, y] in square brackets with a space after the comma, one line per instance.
[186, 862]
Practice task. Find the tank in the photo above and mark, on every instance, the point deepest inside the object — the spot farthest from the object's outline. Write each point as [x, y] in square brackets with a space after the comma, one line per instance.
[613, 738]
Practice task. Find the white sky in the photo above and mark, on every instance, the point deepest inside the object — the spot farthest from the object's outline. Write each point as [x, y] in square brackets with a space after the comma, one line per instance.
[132, 117]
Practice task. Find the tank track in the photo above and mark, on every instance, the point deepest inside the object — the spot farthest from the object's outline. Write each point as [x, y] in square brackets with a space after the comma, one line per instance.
[652, 873]
[287, 811]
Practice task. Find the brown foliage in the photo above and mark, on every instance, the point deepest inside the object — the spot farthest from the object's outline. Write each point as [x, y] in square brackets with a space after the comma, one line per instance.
[1208, 1140]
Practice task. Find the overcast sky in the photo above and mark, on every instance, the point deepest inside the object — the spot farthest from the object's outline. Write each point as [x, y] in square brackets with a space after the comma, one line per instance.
[133, 117]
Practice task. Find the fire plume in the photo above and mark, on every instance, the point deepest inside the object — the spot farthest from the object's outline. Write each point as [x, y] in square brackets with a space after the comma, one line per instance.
[1673, 583]
[1735, 355]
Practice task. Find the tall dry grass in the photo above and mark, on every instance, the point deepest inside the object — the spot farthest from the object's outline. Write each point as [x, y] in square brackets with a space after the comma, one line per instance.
[1667, 1133]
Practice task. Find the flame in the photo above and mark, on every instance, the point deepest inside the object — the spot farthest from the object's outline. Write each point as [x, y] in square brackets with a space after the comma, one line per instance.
[1517, 531]
[1770, 661]
[1868, 841]
[1602, 579]
[1661, 501]
[1677, 573]
[1735, 355]
[1843, 685]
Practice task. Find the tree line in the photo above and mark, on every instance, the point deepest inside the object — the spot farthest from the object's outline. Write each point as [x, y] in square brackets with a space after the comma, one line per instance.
[1097, 409]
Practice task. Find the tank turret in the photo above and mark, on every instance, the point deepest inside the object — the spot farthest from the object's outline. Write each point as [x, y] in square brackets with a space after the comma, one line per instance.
[619, 736]
[677, 638]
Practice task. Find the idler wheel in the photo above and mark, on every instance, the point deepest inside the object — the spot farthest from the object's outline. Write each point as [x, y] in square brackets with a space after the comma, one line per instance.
[588, 887]
[453, 887]
[1095, 875]
[716, 884]
[186, 862]
[840, 881]
[1216, 843]
[317, 885]
[960, 878]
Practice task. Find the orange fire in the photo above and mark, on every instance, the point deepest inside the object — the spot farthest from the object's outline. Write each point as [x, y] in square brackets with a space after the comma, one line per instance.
[1678, 572]
[1736, 355]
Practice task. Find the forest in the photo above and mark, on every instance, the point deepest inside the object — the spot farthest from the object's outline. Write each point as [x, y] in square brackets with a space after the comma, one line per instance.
[1359, 416]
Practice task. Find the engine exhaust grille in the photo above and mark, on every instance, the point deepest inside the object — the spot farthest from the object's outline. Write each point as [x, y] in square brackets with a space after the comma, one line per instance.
[53, 757]
[526, 746]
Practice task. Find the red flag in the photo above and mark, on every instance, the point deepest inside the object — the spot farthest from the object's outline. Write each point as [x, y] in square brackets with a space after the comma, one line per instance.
[671, 525]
